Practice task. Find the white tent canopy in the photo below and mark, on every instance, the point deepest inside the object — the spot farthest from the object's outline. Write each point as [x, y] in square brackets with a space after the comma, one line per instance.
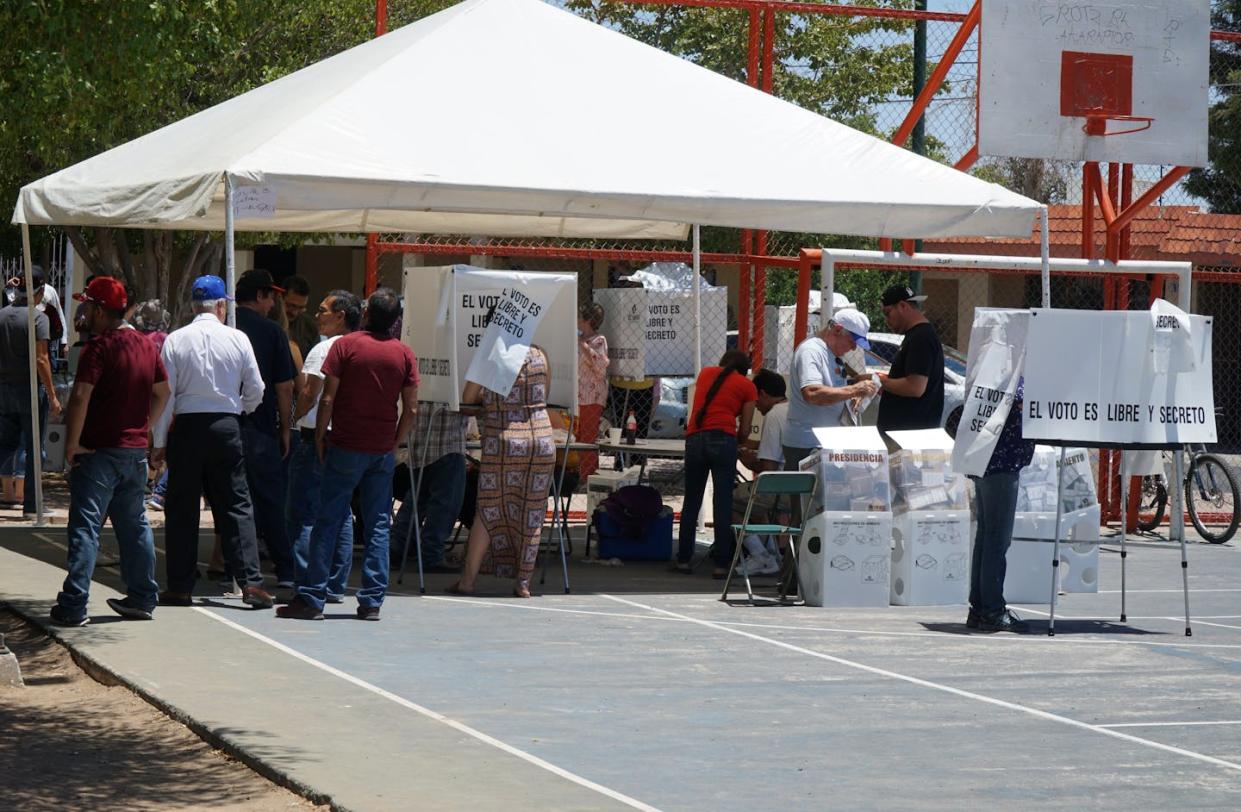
[573, 130]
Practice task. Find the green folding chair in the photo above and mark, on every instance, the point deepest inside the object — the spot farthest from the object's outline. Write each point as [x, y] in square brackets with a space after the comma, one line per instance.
[793, 484]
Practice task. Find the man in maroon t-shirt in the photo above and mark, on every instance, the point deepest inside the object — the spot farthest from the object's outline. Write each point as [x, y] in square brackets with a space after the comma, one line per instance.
[120, 387]
[365, 375]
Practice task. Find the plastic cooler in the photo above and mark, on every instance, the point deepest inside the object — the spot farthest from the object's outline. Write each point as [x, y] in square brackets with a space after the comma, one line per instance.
[655, 544]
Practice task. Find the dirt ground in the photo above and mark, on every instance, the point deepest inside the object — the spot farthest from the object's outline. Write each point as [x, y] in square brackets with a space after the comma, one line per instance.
[69, 742]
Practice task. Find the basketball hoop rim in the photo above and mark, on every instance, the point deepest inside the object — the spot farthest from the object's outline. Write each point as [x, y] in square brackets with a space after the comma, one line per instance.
[1096, 124]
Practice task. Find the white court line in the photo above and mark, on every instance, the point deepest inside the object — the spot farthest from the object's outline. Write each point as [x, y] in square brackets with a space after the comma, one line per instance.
[946, 637]
[438, 717]
[1192, 590]
[1039, 714]
[1194, 620]
[1170, 724]
[1200, 621]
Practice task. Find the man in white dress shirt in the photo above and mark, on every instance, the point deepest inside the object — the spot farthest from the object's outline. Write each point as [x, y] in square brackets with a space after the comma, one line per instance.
[214, 378]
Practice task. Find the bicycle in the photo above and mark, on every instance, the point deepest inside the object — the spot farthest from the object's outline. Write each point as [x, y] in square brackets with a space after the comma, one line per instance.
[1211, 496]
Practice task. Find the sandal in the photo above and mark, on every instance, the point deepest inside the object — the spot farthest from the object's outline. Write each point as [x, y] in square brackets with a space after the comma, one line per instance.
[521, 590]
[456, 589]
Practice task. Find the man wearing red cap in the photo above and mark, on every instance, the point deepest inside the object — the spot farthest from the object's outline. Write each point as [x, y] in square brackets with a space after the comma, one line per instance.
[121, 384]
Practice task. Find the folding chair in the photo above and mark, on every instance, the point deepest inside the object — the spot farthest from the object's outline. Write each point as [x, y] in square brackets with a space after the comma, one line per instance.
[793, 484]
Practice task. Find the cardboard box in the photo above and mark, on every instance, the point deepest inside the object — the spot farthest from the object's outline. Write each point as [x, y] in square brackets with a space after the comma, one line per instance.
[921, 477]
[852, 466]
[1028, 577]
[844, 559]
[930, 558]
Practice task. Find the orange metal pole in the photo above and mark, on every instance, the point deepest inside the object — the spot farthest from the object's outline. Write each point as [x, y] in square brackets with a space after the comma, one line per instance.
[381, 17]
[1087, 213]
[967, 160]
[1113, 197]
[936, 79]
[801, 321]
[1150, 196]
[1126, 200]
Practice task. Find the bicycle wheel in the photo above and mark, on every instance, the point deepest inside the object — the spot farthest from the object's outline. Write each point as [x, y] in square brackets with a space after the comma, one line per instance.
[1212, 499]
[1153, 503]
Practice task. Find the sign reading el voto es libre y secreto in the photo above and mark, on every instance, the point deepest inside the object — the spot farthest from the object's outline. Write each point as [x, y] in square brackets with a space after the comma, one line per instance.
[1119, 377]
[445, 324]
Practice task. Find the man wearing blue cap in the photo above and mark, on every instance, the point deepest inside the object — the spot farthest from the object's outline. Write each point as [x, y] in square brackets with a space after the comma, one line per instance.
[214, 379]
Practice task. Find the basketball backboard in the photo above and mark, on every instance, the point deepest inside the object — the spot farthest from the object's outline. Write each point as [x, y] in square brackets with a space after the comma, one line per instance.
[1119, 80]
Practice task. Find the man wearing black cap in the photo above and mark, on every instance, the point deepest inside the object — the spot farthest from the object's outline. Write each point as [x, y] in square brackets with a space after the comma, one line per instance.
[913, 389]
[266, 432]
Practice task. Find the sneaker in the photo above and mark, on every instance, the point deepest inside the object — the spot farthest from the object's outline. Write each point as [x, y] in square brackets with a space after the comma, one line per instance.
[129, 609]
[368, 612]
[61, 617]
[758, 565]
[155, 503]
[335, 598]
[1006, 622]
[299, 609]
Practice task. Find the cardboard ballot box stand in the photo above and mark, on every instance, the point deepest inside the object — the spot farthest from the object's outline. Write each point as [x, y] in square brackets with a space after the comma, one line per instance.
[845, 552]
[930, 521]
[445, 324]
[1034, 527]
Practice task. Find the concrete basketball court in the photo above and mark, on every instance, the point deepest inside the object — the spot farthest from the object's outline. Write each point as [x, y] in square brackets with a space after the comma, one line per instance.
[641, 690]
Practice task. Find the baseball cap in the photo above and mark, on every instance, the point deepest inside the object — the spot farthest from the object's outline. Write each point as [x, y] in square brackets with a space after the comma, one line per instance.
[900, 293]
[105, 291]
[856, 323]
[208, 288]
[258, 280]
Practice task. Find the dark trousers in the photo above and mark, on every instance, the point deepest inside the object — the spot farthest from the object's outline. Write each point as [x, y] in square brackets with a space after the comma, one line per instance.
[996, 502]
[711, 453]
[205, 455]
[439, 505]
[267, 476]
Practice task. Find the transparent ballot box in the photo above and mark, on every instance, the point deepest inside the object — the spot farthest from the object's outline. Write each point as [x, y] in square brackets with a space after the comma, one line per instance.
[852, 466]
[920, 473]
[1036, 492]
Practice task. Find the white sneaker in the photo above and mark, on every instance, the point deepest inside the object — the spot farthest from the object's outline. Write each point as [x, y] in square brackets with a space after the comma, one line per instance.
[758, 565]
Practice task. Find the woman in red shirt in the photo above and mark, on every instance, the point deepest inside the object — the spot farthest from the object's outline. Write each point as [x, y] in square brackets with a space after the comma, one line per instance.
[724, 400]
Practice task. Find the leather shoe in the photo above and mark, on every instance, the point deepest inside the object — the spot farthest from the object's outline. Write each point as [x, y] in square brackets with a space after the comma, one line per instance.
[170, 598]
[368, 612]
[257, 597]
[1006, 622]
[972, 620]
[299, 609]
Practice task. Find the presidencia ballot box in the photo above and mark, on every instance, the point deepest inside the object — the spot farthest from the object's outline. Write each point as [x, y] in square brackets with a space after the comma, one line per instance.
[845, 552]
[1029, 556]
[930, 520]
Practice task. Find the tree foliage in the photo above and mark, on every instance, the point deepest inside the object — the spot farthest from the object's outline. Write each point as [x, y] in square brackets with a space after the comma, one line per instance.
[1220, 182]
[78, 78]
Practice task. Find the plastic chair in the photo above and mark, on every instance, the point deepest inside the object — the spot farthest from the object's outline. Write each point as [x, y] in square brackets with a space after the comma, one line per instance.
[793, 484]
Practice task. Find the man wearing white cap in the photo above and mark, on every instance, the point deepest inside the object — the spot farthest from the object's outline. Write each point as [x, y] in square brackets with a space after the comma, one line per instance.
[818, 389]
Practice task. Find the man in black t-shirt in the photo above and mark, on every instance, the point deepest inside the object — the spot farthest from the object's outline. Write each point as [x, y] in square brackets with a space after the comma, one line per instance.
[913, 389]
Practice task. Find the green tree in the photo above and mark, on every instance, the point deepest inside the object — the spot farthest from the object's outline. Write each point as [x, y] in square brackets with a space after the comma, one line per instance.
[78, 78]
[1044, 180]
[1220, 182]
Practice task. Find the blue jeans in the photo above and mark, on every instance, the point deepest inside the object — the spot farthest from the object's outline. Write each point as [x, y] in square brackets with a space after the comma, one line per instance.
[305, 481]
[439, 504]
[16, 440]
[109, 482]
[343, 471]
[996, 501]
[714, 453]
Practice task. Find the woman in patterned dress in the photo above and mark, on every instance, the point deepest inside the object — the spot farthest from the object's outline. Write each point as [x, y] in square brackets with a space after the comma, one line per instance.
[519, 455]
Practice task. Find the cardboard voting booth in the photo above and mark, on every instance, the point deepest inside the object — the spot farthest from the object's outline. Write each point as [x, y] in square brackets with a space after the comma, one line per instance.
[845, 552]
[663, 342]
[930, 523]
[445, 324]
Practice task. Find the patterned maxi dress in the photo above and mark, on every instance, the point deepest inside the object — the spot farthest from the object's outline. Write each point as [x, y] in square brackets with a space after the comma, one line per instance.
[519, 454]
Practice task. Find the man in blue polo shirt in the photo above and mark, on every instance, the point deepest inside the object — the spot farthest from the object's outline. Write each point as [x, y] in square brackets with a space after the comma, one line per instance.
[266, 432]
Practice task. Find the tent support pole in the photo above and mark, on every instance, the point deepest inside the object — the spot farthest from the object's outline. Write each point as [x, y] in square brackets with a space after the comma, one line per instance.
[1045, 248]
[230, 253]
[697, 301]
[36, 429]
